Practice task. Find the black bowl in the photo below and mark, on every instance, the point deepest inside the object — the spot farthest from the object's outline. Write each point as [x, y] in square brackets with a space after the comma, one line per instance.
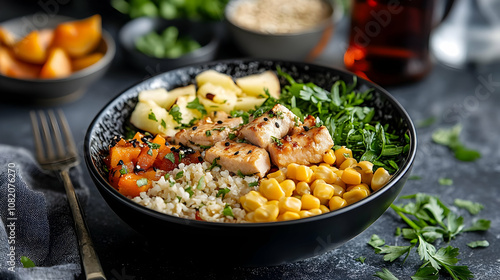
[246, 244]
[207, 34]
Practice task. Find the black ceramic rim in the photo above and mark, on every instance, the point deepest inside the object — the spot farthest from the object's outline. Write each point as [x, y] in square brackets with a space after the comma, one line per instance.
[104, 184]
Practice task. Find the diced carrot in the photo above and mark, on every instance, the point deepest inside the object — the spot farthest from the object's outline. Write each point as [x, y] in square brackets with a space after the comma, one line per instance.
[138, 136]
[132, 184]
[165, 163]
[80, 37]
[124, 153]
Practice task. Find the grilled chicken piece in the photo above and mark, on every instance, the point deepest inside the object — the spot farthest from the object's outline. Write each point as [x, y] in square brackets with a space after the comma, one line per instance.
[278, 122]
[208, 131]
[243, 157]
[306, 147]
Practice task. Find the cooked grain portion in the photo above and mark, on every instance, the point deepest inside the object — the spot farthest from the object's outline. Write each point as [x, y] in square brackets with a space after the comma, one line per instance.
[240, 158]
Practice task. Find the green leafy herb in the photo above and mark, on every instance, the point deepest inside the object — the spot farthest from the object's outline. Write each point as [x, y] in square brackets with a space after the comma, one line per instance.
[27, 263]
[473, 207]
[228, 211]
[152, 116]
[240, 174]
[445, 181]
[163, 123]
[429, 219]
[170, 156]
[175, 112]
[385, 274]
[190, 191]
[253, 184]
[222, 192]
[450, 138]
[479, 243]
[167, 44]
[231, 136]
[361, 259]
[214, 164]
[195, 104]
[277, 141]
[201, 183]
[179, 175]
[208, 133]
[219, 128]
[397, 232]
[123, 170]
[141, 182]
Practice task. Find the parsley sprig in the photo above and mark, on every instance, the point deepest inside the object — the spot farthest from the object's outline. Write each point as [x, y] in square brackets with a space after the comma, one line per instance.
[429, 220]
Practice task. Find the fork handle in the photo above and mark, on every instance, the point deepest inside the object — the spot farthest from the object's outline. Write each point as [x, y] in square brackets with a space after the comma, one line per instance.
[90, 260]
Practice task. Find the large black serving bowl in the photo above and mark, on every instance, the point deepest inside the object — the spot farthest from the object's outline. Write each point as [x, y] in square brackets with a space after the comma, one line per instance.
[251, 244]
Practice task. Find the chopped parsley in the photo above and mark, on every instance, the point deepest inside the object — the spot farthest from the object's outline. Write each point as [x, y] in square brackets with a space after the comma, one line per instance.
[231, 136]
[152, 116]
[179, 175]
[195, 104]
[175, 112]
[123, 170]
[445, 181]
[214, 164]
[142, 182]
[27, 263]
[208, 133]
[361, 259]
[219, 128]
[190, 191]
[479, 243]
[223, 192]
[228, 211]
[152, 145]
[240, 174]
[473, 207]
[277, 141]
[253, 184]
[450, 138]
[163, 123]
[170, 156]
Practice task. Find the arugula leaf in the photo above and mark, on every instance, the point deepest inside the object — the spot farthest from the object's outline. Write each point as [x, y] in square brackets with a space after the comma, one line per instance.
[473, 207]
[478, 243]
[385, 274]
[27, 263]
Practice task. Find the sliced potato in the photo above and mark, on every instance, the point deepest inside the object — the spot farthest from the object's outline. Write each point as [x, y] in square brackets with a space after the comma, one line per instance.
[248, 103]
[187, 114]
[176, 92]
[150, 117]
[219, 79]
[217, 94]
[255, 84]
[160, 96]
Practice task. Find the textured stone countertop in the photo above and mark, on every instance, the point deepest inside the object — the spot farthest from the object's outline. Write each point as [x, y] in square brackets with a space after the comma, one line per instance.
[470, 96]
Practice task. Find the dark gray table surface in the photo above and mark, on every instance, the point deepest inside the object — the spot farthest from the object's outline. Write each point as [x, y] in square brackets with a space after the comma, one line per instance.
[470, 96]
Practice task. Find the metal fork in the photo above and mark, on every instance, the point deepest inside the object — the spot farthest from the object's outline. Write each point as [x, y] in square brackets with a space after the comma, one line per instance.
[58, 157]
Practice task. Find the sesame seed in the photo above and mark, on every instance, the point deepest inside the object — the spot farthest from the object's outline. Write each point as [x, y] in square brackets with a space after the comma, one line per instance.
[194, 127]
[266, 119]
[237, 152]
[226, 144]
[277, 124]
[249, 152]
[219, 122]
[306, 128]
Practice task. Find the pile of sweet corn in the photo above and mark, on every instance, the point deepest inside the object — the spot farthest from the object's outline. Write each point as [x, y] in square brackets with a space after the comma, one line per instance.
[301, 191]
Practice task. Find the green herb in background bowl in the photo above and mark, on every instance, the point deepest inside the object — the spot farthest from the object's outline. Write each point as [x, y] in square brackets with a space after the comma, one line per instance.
[168, 44]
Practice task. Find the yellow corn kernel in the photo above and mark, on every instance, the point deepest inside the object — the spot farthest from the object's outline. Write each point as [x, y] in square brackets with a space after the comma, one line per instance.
[323, 191]
[309, 202]
[315, 211]
[337, 202]
[348, 162]
[289, 204]
[266, 213]
[366, 171]
[355, 195]
[252, 201]
[291, 171]
[324, 209]
[288, 216]
[273, 202]
[250, 216]
[362, 185]
[305, 214]
[341, 154]
[325, 174]
[302, 188]
[271, 189]
[329, 157]
[380, 178]
[313, 167]
[338, 190]
[339, 181]
[315, 183]
[350, 176]
[278, 175]
[339, 173]
[288, 186]
[304, 173]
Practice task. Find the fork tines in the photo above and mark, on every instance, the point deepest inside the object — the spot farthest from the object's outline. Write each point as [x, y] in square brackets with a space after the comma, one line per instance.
[50, 144]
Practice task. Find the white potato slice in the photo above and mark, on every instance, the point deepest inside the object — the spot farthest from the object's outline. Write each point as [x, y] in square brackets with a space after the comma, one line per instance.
[187, 114]
[248, 103]
[180, 91]
[157, 95]
[254, 85]
[219, 79]
[150, 117]
[217, 94]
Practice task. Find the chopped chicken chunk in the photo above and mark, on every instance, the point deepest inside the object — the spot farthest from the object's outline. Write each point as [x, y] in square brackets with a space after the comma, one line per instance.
[307, 147]
[278, 122]
[208, 131]
[243, 157]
